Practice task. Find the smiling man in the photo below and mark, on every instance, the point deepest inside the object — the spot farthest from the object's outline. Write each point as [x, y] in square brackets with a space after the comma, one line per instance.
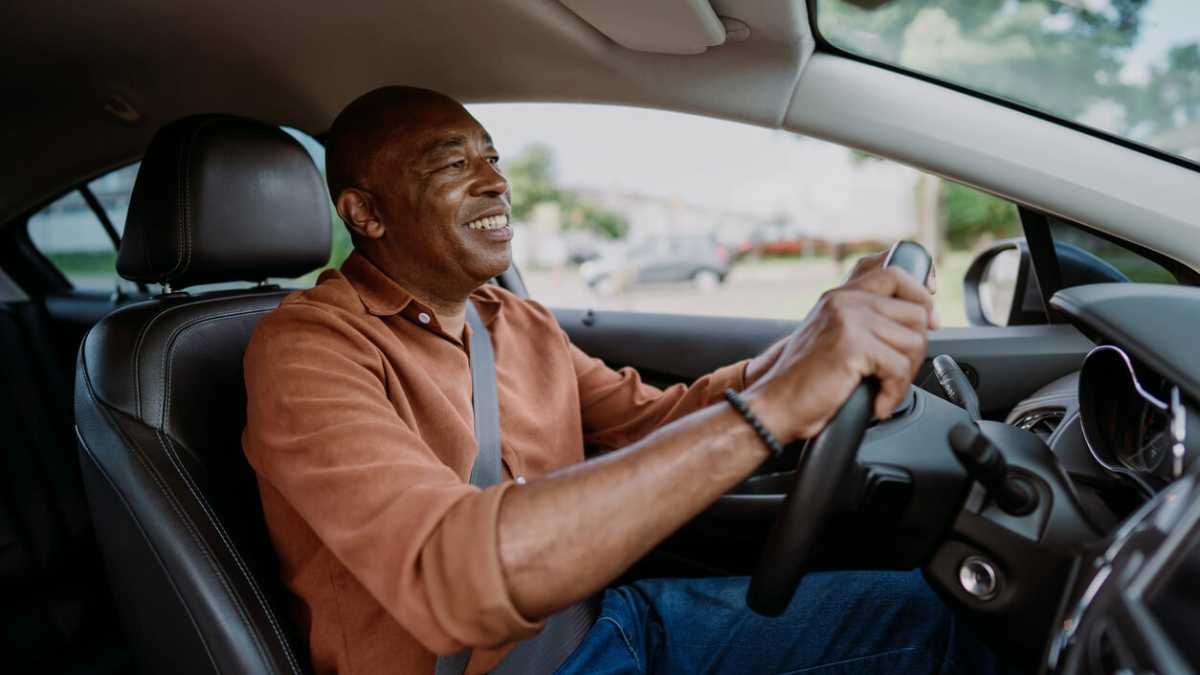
[360, 426]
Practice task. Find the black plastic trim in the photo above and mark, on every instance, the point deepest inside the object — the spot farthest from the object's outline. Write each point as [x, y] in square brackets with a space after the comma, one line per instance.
[1045, 259]
[101, 215]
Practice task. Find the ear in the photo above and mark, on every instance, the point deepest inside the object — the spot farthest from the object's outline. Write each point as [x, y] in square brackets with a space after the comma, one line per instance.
[358, 212]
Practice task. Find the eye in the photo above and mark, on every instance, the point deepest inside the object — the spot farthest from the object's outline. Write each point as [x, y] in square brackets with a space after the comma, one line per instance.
[493, 160]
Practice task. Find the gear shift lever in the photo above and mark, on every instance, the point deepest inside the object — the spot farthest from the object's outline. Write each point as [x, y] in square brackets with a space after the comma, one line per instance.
[956, 385]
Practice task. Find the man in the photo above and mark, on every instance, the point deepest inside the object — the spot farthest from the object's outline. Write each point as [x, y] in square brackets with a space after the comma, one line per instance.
[360, 428]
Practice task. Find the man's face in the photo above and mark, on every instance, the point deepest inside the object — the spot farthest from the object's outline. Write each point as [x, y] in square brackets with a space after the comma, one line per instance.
[442, 199]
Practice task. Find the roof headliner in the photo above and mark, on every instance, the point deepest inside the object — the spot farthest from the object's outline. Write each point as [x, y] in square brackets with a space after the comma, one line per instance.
[299, 63]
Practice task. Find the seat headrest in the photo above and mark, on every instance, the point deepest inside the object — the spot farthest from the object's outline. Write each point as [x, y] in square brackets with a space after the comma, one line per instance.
[223, 198]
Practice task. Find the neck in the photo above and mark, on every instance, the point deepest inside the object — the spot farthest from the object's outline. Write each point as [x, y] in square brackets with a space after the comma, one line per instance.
[448, 300]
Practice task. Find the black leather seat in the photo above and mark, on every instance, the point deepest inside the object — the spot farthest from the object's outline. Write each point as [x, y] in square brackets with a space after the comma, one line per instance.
[160, 402]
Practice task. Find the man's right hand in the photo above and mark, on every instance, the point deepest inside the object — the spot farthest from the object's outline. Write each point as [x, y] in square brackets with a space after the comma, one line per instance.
[874, 326]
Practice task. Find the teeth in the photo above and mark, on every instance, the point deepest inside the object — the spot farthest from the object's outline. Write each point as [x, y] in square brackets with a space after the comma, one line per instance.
[489, 223]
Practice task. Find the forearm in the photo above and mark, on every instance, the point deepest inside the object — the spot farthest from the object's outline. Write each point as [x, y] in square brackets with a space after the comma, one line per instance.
[566, 536]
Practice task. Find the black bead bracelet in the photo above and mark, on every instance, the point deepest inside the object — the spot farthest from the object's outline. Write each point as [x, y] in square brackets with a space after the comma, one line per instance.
[767, 439]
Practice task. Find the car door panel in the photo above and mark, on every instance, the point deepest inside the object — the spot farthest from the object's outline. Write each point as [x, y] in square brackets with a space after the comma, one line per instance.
[1006, 364]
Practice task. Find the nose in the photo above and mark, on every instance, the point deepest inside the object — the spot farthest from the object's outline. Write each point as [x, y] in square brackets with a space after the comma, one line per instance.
[489, 181]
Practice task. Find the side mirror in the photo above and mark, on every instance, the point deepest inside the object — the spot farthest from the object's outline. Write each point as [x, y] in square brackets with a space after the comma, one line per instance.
[1000, 288]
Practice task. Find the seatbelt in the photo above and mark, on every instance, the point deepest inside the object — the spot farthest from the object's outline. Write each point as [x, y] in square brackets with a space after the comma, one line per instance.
[543, 653]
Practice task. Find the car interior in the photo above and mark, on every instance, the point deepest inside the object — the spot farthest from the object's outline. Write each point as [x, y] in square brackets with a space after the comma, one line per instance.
[1040, 473]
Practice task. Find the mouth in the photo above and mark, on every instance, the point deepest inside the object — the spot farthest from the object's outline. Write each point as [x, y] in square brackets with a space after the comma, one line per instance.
[488, 222]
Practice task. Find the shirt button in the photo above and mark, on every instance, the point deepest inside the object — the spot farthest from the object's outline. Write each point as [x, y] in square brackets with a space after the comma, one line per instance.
[423, 317]
[520, 480]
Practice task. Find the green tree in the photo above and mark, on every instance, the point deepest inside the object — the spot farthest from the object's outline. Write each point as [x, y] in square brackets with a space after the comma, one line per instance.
[969, 214]
[530, 175]
[1055, 54]
[1171, 97]
[532, 178]
[1073, 54]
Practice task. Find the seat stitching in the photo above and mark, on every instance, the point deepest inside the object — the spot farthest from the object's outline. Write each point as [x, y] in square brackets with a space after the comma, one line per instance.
[168, 371]
[169, 445]
[184, 195]
[170, 452]
[167, 494]
[168, 358]
[137, 350]
[170, 310]
[145, 537]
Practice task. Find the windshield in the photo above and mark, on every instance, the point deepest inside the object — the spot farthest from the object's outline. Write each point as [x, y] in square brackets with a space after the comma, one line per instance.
[1127, 67]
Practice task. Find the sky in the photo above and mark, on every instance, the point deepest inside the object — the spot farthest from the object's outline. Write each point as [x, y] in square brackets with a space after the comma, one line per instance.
[1164, 24]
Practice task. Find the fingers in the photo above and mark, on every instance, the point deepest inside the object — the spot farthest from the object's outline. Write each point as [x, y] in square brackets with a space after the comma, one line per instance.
[894, 282]
[878, 336]
[897, 354]
[865, 265]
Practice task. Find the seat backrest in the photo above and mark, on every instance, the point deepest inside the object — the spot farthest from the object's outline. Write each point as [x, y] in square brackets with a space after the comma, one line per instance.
[160, 401]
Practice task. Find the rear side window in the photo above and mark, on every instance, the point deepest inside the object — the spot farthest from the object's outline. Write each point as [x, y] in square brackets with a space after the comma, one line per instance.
[81, 240]
[79, 233]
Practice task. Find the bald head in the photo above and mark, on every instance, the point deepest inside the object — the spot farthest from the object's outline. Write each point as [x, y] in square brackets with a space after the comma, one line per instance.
[363, 129]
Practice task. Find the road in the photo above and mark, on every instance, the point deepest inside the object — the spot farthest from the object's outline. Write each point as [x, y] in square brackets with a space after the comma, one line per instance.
[766, 289]
[773, 289]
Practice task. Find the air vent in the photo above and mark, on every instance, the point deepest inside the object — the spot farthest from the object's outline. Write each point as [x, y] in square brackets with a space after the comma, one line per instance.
[1042, 422]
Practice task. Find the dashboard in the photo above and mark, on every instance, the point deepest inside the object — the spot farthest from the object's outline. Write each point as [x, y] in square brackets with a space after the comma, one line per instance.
[1134, 603]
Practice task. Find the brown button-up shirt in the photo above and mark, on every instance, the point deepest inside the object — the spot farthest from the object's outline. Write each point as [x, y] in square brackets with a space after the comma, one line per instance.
[360, 427]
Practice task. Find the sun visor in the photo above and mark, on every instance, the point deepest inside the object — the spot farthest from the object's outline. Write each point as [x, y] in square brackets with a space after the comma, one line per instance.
[657, 26]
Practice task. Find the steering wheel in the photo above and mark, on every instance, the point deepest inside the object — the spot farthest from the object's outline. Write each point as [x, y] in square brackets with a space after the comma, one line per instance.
[823, 467]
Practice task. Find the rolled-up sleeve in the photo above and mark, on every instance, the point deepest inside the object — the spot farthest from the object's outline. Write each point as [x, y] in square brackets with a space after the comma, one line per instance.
[618, 408]
[324, 433]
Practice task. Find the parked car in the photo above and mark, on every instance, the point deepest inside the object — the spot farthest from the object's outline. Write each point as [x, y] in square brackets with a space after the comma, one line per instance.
[696, 258]
[781, 240]
[1077, 553]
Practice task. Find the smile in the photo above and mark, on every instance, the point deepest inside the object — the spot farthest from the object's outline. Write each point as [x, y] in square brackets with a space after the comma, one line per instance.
[489, 223]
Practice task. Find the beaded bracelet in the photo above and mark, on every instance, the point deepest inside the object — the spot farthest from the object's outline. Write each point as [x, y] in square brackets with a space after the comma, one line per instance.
[738, 404]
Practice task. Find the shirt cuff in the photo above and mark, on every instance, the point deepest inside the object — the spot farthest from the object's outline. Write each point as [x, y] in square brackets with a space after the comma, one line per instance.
[467, 591]
[729, 377]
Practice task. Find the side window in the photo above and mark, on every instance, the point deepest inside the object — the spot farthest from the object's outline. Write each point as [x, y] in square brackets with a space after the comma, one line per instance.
[77, 240]
[650, 211]
[1085, 258]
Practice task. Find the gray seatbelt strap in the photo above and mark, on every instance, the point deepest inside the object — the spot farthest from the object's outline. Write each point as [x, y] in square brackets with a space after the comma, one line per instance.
[543, 653]
[486, 401]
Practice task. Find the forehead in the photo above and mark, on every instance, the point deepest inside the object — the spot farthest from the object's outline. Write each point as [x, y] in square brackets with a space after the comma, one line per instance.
[431, 130]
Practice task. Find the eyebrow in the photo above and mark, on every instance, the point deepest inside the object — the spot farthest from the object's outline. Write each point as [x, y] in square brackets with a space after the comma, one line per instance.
[452, 143]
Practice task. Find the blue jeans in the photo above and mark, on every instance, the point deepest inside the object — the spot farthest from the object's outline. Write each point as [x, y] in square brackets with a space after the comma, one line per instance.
[839, 622]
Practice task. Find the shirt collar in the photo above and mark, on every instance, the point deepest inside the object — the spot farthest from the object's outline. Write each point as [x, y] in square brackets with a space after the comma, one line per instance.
[384, 297]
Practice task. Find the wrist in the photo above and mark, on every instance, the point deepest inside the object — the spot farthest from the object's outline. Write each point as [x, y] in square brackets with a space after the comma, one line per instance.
[774, 417]
[768, 439]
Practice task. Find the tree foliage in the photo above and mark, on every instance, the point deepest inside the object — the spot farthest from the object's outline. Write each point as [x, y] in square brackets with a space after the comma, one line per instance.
[1067, 57]
[969, 214]
[532, 178]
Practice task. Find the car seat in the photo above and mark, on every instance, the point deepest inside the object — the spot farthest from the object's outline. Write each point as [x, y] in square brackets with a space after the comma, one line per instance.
[160, 402]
